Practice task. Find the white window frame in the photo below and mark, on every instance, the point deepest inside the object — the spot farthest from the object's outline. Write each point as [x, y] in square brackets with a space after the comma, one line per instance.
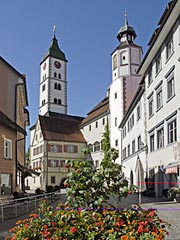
[159, 98]
[158, 64]
[169, 48]
[7, 148]
[138, 110]
[152, 143]
[170, 86]
[172, 133]
[151, 106]
[160, 137]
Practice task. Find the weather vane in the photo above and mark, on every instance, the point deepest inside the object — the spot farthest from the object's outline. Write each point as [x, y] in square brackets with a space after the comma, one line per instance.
[54, 29]
[126, 20]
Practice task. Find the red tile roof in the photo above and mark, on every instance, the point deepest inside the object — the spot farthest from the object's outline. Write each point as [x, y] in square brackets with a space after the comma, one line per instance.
[61, 128]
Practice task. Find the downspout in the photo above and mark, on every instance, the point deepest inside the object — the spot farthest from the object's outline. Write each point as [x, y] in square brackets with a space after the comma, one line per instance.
[16, 165]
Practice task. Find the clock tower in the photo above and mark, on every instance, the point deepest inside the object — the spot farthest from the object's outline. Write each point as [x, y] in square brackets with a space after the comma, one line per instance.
[53, 82]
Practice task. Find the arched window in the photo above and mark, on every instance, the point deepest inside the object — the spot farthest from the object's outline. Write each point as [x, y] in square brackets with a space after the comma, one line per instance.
[55, 86]
[55, 100]
[96, 146]
[59, 101]
[59, 76]
[90, 146]
[59, 86]
[55, 74]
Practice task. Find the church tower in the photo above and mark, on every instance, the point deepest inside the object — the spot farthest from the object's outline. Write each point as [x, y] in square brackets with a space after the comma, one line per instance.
[53, 82]
[126, 59]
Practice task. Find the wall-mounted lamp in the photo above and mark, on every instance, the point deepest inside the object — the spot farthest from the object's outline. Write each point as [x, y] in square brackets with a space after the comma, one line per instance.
[143, 147]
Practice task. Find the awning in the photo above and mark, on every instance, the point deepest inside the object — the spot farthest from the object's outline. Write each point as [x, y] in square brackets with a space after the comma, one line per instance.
[172, 168]
[26, 171]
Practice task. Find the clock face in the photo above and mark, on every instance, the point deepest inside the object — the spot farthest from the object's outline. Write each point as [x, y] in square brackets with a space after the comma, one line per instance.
[57, 64]
[44, 66]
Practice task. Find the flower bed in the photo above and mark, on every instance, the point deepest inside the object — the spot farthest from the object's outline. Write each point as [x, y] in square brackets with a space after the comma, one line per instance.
[64, 223]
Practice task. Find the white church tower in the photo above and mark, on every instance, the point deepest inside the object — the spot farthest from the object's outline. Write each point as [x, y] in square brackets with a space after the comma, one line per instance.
[126, 59]
[53, 82]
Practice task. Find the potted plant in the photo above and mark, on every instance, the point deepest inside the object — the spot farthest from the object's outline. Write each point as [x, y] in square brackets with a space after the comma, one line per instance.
[174, 193]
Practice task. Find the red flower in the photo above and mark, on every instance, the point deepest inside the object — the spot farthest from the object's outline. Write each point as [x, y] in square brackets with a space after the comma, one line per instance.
[67, 166]
[45, 226]
[73, 230]
[140, 229]
[53, 224]
[65, 185]
[26, 225]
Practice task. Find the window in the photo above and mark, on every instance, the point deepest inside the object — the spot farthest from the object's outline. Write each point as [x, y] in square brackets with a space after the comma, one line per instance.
[53, 163]
[89, 127]
[169, 48]
[59, 76]
[6, 183]
[43, 102]
[115, 61]
[54, 148]
[139, 142]
[138, 112]
[133, 147]
[55, 85]
[150, 77]
[7, 149]
[53, 180]
[124, 153]
[59, 86]
[96, 146]
[124, 131]
[170, 85]
[115, 122]
[116, 143]
[43, 87]
[151, 142]
[63, 163]
[115, 95]
[103, 121]
[90, 146]
[55, 75]
[160, 138]
[96, 124]
[128, 150]
[70, 148]
[55, 100]
[59, 101]
[158, 64]
[150, 104]
[159, 99]
[172, 131]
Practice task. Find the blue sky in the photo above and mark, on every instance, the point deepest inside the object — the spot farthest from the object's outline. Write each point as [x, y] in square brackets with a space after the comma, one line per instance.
[86, 32]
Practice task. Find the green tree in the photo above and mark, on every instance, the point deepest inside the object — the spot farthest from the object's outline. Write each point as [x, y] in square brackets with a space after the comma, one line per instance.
[89, 187]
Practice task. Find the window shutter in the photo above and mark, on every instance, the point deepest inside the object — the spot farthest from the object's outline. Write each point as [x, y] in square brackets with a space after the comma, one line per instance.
[60, 148]
[75, 149]
[49, 163]
[65, 148]
[49, 147]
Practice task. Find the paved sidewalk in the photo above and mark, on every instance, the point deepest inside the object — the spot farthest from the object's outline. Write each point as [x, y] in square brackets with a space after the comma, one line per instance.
[168, 211]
